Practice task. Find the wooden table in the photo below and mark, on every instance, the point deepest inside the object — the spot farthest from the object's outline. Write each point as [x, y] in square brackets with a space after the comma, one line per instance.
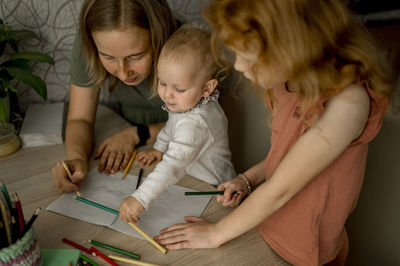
[28, 172]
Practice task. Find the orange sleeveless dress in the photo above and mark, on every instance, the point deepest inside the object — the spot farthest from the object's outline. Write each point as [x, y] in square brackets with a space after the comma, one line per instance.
[309, 228]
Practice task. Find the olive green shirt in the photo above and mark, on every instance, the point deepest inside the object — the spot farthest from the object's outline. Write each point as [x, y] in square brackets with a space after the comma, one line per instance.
[136, 105]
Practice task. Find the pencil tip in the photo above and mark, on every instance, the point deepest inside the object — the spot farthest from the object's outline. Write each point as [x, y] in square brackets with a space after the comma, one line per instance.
[37, 211]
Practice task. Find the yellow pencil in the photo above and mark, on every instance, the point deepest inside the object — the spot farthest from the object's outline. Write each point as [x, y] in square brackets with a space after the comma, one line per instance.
[70, 175]
[140, 231]
[6, 222]
[131, 261]
[128, 167]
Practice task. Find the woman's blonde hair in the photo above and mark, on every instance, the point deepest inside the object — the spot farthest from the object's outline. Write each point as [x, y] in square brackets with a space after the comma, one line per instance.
[317, 43]
[106, 15]
[193, 42]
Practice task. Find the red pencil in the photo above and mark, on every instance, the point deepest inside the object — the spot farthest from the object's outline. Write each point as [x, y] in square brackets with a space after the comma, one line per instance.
[21, 218]
[103, 256]
[76, 245]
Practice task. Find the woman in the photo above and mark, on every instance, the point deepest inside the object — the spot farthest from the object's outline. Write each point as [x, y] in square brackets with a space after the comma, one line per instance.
[118, 42]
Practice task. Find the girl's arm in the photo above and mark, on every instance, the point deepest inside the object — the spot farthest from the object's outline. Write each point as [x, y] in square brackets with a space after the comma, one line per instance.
[342, 121]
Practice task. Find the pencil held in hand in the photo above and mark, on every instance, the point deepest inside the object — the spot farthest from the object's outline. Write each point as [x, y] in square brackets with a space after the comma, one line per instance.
[128, 167]
[69, 175]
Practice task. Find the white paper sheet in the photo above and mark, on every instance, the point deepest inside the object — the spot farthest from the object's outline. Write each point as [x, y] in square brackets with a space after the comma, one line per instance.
[109, 190]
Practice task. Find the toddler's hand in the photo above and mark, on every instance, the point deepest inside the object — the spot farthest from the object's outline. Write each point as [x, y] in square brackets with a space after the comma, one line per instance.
[229, 199]
[145, 158]
[130, 210]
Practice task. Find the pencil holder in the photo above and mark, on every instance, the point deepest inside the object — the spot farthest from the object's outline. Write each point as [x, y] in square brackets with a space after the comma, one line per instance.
[24, 252]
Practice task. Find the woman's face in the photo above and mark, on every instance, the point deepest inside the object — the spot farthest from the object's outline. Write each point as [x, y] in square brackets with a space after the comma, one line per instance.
[125, 53]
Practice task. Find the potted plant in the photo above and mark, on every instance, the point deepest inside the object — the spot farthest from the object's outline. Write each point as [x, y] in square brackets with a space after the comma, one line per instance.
[15, 67]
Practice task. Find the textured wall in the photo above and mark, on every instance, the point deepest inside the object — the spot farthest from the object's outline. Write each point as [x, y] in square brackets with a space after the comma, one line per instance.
[55, 23]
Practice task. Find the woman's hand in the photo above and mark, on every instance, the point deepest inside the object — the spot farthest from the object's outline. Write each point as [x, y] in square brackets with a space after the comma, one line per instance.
[130, 210]
[78, 169]
[146, 158]
[115, 152]
[229, 199]
[195, 233]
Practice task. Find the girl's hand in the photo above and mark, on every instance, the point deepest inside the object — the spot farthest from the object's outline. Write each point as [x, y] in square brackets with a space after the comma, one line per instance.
[195, 233]
[145, 158]
[229, 199]
[130, 210]
[115, 152]
[78, 169]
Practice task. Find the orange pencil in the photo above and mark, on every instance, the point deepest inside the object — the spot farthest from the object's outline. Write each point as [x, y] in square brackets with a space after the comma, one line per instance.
[128, 167]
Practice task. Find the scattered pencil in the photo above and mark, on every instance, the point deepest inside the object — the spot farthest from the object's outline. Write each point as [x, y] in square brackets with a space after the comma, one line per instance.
[128, 167]
[118, 250]
[95, 204]
[134, 226]
[139, 177]
[76, 245]
[132, 261]
[101, 255]
[69, 175]
[197, 193]
[83, 257]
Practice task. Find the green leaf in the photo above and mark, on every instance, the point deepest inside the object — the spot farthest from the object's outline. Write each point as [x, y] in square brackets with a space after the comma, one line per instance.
[34, 56]
[21, 34]
[13, 45]
[5, 28]
[17, 64]
[3, 111]
[30, 79]
[2, 47]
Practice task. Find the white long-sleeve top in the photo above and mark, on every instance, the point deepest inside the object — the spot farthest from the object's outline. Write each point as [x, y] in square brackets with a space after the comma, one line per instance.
[194, 143]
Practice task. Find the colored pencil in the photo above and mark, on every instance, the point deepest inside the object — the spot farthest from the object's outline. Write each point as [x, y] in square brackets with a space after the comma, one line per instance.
[3, 234]
[197, 193]
[21, 219]
[140, 231]
[132, 261]
[101, 255]
[69, 175]
[79, 262]
[6, 222]
[5, 193]
[128, 167]
[139, 177]
[118, 250]
[95, 204]
[30, 222]
[76, 245]
[83, 257]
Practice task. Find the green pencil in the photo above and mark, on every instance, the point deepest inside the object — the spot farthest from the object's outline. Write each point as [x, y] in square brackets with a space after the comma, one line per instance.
[102, 245]
[6, 195]
[105, 208]
[88, 260]
[197, 193]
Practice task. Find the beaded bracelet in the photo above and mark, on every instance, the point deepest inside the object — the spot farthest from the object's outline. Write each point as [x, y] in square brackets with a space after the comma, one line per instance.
[242, 176]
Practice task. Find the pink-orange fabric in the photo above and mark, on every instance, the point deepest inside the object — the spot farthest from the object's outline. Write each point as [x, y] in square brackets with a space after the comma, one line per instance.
[309, 228]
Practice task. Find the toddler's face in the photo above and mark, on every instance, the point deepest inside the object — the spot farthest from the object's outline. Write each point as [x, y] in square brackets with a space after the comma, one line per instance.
[181, 83]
